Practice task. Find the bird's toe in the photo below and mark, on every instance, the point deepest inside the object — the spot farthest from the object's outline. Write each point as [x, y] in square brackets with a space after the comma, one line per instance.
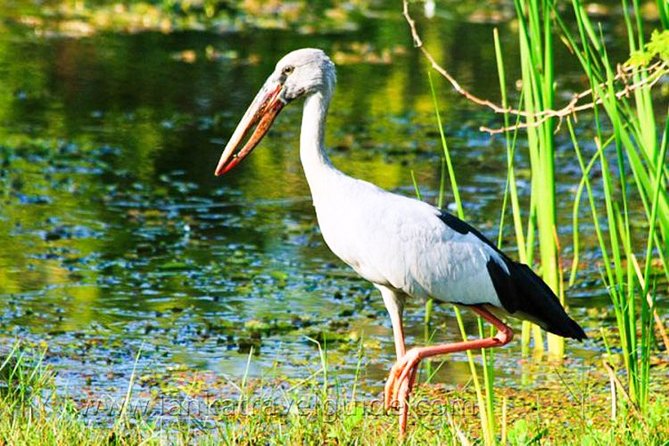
[407, 374]
[389, 391]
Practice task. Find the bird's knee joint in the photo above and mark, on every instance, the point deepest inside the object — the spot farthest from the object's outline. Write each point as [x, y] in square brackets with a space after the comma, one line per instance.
[412, 355]
[504, 336]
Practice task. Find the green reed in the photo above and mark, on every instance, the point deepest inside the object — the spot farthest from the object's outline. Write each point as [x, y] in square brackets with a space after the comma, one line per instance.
[627, 136]
[535, 37]
[511, 193]
[663, 9]
[637, 151]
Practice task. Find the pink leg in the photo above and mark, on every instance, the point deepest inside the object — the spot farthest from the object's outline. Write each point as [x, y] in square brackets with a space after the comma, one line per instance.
[403, 374]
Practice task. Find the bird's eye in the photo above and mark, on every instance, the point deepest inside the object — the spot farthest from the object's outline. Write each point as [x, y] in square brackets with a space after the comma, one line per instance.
[288, 70]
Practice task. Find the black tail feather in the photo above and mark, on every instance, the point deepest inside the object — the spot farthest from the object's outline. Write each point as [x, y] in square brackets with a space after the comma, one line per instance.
[523, 292]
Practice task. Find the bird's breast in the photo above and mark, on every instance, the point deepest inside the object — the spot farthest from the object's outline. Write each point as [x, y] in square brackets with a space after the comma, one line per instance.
[348, 235]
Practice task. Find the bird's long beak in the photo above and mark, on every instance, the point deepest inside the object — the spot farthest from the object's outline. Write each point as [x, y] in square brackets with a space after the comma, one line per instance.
[260, 114]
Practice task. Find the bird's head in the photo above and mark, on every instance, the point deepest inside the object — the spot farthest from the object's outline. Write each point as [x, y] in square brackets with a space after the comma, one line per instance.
[298, 74]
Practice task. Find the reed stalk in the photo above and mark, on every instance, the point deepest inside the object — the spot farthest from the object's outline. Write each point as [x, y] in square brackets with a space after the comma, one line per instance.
[638, 152]
[535, 36]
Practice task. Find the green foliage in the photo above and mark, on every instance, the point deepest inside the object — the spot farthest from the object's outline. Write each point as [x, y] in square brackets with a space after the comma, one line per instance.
[20, 379]
[657, 47]
[630, 142]
[535, 40]
[317, 410]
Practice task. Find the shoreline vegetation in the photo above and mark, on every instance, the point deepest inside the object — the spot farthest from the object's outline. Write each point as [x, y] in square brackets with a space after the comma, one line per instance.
[190, 407]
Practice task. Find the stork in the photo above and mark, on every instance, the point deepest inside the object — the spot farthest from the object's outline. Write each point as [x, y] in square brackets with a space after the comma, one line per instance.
[406, 248]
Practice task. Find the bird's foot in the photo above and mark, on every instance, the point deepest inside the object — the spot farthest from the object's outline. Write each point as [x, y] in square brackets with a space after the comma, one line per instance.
[399, 385]
[401, 379]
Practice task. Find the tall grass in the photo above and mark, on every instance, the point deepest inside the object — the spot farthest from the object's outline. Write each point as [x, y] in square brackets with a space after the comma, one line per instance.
[511, 190]
[631, 157]
[304, 412]
[535, 37]
[635, 138]
[638, 152]
[627, 137]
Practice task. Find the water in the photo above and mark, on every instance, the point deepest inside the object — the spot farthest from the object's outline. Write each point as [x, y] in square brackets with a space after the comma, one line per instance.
[117, 237]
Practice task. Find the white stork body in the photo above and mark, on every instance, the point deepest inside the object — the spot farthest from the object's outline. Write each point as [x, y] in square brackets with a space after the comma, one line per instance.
[392, 241]
[405, 247]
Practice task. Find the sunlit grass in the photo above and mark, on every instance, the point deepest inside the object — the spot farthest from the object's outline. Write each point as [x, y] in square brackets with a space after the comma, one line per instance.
[320, 409]
[627, 143]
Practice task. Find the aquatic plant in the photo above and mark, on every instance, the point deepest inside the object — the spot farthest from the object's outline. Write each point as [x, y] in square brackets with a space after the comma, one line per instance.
[628, 138]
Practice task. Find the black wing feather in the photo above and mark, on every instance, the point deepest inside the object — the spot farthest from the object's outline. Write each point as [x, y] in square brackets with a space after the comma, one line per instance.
[521, 290]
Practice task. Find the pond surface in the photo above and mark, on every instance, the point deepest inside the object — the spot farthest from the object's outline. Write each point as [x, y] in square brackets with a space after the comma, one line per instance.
[117, 237]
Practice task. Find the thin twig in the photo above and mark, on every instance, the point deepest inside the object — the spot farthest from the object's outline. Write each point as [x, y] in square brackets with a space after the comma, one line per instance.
[614, 393]
[614, 378]
[571, 109]
[623, 72]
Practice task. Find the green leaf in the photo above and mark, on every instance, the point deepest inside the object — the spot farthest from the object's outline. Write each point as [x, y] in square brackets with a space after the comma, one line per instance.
[657, 47]
[659, 44]
[639, 59]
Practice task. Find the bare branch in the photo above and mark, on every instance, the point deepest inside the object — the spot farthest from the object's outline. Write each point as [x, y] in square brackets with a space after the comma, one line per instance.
[623, 73]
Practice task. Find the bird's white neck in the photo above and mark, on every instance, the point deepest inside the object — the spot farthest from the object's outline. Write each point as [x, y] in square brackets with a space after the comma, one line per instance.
[315, 162]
